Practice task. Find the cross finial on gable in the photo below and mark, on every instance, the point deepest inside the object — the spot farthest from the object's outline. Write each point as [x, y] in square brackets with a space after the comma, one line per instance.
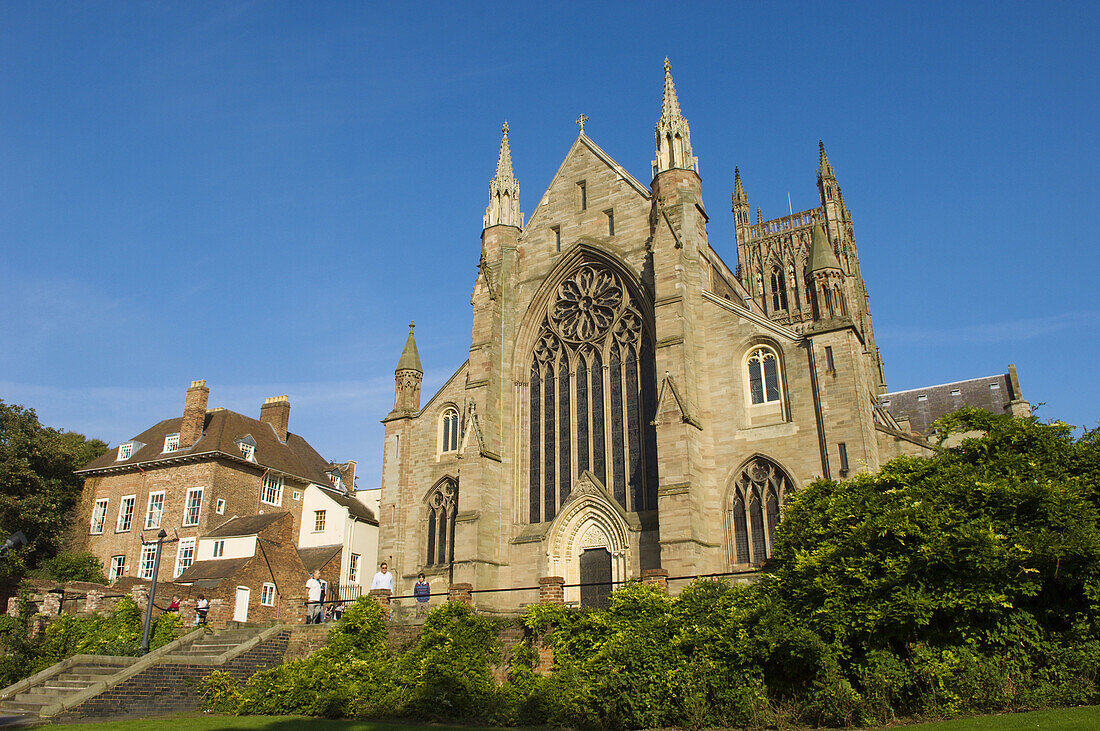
[581, 120]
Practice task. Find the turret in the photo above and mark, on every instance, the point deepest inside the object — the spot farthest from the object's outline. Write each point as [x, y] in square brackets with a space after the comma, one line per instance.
[672, 133]
[829, 300]
[408, 375]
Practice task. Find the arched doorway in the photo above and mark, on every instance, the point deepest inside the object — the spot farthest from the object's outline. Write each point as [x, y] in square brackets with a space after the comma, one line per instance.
[588, 543]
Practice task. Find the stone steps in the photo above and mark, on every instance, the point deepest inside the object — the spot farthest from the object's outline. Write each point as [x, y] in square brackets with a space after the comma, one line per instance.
[23, 703]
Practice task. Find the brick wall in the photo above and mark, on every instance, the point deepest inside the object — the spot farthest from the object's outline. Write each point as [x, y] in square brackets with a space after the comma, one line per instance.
[172, 688]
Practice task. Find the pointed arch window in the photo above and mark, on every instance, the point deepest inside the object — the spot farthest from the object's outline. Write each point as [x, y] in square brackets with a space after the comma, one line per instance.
[763, 376]
[754, 509]
[442, 507]
[448, 430]
[592, 395]
[779, 289]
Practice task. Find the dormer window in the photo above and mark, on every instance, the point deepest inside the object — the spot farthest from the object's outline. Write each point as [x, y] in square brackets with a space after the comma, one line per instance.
[335, 479]
[125, 451]
[247, 445]
[172, 443]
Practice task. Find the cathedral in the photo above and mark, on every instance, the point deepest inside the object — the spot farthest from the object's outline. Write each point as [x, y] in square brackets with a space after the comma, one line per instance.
[630, 401]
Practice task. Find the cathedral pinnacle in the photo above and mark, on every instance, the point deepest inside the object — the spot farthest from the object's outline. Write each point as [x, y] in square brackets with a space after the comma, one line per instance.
[672, 133]
[503, 208]
[738, 189]
[824, 167]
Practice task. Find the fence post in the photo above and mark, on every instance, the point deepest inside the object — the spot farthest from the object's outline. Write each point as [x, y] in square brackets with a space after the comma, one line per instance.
[460, 593]
[656, 577]
[552, 590]
[382, 596]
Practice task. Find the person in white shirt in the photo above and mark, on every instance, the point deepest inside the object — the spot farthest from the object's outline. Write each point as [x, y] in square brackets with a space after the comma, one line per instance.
[313, 599]
[383, 579]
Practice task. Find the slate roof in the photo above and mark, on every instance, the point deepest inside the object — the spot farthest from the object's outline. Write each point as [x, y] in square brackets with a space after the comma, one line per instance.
[922, 406]
[356, 508]
[221, 568]
[221, 430]
[246, 525]
[315, 558]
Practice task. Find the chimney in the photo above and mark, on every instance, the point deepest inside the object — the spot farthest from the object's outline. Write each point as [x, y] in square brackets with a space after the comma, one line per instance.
[194, 414]
[349, 477]
[276, 412]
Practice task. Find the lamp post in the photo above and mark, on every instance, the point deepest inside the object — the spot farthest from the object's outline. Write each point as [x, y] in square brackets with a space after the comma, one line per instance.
[17, 539]
[152, 591]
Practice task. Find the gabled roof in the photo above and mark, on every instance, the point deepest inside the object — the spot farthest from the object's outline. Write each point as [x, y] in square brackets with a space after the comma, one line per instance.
[584, 141]
[221, 430]
[246, 525]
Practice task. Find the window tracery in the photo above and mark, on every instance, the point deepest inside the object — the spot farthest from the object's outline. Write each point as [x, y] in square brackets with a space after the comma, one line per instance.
[754, 510]
[442, 507]
[592, 395]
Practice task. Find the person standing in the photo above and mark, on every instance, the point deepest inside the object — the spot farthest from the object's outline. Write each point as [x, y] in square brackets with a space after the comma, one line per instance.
[202, 606]
[313, 598]
[423, 593]
[383, 579]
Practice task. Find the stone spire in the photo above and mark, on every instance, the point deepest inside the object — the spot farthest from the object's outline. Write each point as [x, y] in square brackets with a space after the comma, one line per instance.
[672, 133]
[407, 375]
[410, 357]
[503, 208]
[741, 210]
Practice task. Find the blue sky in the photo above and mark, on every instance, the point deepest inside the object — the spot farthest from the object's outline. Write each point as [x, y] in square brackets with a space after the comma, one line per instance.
[264, 194]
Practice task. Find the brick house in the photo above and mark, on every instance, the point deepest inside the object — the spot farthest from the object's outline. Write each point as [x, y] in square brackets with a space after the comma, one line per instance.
[191, 475]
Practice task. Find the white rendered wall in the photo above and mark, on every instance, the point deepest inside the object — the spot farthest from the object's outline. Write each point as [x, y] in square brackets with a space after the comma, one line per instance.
[315, 499]
[235, 547]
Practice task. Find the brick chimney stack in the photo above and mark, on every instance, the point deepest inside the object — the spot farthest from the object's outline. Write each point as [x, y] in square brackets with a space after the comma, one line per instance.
[276, 412]
[194, 414]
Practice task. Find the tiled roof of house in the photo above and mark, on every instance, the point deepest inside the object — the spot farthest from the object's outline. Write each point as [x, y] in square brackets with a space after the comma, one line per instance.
[246, 525]
[221, 568]
[315, 558]
[221, 430]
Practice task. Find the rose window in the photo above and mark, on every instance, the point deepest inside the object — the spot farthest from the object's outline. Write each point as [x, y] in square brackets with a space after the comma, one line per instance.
[587, 304]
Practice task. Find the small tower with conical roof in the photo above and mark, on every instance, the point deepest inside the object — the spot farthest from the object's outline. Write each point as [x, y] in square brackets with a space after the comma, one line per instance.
[741, 216]
[408, 375]
[829, 300]
[672, 133]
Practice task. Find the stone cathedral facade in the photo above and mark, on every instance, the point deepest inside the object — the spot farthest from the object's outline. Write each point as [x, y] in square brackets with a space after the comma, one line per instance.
[631, 401]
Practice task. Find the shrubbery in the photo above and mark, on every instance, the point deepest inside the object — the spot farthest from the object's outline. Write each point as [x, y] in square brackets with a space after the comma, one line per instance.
[961, 583]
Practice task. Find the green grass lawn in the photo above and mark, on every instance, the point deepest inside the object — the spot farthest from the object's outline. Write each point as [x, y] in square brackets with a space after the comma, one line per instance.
[1086, 718]
[1061, 719]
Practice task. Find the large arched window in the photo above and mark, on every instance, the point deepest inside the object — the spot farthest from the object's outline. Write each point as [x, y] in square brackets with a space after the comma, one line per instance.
[763, 374]
[442, 506]
[753, 511]
[592, 395]
[448, 430]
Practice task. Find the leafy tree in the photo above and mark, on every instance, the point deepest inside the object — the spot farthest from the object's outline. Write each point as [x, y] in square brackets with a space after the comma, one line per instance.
[38, 490]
